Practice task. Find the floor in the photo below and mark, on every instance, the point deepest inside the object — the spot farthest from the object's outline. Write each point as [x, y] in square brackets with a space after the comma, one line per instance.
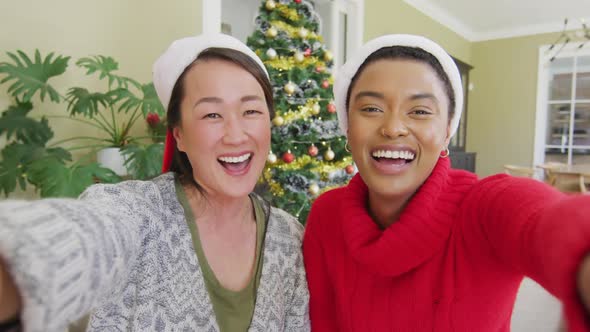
[535, 310]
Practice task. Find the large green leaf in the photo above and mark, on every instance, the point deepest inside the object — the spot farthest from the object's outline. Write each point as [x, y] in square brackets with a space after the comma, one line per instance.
[81, 101]
[16, 160]
[15, 122]
[54, 179]
[27, 76]
[104, 66]
[149, 102]
[144, 162]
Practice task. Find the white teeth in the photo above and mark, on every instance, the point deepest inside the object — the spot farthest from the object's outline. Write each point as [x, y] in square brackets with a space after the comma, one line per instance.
[407, 155]
[235, 160]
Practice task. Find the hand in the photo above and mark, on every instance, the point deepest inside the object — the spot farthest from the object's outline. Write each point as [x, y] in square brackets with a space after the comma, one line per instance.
[584, 283]
[10, 302]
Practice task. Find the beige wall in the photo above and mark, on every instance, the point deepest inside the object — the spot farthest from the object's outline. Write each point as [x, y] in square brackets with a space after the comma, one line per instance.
[502, 105]
[395, 16]
[134, 32]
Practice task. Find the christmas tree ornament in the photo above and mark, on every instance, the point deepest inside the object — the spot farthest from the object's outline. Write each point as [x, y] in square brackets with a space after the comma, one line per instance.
[297, 1]
[303, 32]
[325, 84]
[319, 69]
[270, 5]
[313, 35]
[299, 57]
[313, 150]
[328, 56]
[271, 53]
[331, 108]
[307, 52]
[272, 158]
[349, 169]
[288, 157]
[271, 32]
[289, 88]
[315, 109]
[278, 121]
[329, 155]
[314, 189]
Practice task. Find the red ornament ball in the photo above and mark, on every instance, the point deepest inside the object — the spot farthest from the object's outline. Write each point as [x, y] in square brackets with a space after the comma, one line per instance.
[288, 157]
[325, 84]
[349, 169]
[313, 151]
[319, 69]
[331, 108]
[307, 52]
[297, 1]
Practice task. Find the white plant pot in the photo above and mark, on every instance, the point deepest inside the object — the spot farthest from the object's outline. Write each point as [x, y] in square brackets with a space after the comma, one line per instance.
[112, 158]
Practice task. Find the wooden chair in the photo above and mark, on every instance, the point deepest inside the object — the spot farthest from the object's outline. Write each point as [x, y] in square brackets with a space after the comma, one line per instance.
[515, 170]
[548, 168]
[584, 180]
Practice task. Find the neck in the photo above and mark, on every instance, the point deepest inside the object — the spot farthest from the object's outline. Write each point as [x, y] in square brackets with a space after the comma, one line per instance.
[386, 210]
[218, 210]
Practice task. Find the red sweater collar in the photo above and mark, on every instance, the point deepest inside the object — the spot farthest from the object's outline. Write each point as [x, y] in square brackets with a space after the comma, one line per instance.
[421, 231]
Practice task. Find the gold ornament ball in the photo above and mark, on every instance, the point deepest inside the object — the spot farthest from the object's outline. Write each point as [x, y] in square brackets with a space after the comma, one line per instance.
[329, 155]
[272, 158]
[328, 56]
[314, 189]
[270, 5]
[303, 33]
[315, 109]
[290, 88]
[299, 57]
[278, 120]
[271, 32]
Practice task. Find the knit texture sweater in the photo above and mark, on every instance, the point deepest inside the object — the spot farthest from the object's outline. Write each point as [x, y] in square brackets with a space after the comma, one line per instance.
[454, 259]
[124, 252]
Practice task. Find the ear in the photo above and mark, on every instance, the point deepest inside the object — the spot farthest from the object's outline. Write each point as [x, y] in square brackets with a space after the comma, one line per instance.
[178, 137]
[448, 135]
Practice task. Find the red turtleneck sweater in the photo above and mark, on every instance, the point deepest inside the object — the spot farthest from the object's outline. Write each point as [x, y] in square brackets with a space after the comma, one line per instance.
[454, 259]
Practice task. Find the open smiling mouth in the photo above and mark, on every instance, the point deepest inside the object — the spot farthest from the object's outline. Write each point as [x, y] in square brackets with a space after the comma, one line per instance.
[393, 157]
[236, 164]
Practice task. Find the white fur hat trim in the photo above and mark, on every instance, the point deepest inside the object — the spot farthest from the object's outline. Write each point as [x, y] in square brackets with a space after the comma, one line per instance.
[349, 69]
[181, 53]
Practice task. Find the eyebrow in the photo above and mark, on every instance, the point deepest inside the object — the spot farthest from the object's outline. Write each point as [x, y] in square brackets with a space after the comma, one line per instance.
[217, 100]
[381, 96]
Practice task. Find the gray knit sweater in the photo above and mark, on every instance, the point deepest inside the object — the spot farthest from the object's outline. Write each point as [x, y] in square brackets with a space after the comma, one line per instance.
[124, 252]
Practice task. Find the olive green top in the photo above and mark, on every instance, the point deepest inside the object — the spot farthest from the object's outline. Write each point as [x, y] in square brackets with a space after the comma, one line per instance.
[233, 309]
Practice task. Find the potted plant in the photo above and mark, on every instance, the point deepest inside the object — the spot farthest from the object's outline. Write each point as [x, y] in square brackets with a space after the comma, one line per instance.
[29, 157]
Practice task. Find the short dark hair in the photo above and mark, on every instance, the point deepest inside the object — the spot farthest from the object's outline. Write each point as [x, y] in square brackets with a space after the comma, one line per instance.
[180, 162]
[408, 53]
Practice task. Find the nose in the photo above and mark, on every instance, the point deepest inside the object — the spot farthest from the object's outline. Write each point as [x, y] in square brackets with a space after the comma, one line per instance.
[234, 130]
[394, 125]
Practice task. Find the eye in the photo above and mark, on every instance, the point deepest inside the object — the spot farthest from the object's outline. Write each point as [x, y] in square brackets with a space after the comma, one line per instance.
[252, 112]
[212, 116]
[421, 112]
[370, 109]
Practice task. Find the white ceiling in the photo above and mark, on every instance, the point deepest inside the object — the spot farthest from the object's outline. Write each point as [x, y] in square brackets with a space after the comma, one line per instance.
[478, 20]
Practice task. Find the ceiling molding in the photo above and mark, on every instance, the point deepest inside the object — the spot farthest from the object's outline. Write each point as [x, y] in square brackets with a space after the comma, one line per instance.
[443, 17]
[527, 30]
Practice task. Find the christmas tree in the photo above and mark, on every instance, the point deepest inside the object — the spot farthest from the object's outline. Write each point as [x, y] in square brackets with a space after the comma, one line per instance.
[308, 155]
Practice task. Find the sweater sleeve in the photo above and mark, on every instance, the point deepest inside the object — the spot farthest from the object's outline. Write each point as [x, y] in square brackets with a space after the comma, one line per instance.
[67, 255]
[538, 232]
[322, 304]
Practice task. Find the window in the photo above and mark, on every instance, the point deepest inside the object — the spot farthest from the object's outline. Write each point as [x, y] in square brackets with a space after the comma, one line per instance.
[563, 107]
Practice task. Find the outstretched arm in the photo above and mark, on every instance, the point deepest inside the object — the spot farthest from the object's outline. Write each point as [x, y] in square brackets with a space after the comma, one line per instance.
[65, 256]
[539, 232]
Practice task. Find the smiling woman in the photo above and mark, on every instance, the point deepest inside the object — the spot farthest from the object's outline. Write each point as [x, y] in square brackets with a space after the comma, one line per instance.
[421, 246]
[193, 249]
